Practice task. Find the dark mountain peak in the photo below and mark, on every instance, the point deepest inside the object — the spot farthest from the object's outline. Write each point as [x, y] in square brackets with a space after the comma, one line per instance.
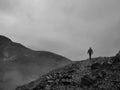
[4, 39]
[8, 48]
[20, 65]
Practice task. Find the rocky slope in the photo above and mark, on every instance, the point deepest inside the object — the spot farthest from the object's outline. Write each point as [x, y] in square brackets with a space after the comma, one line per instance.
[102, 73]
[20, 65]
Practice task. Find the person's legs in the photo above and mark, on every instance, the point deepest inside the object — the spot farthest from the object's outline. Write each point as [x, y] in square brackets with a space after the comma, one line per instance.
[89, 56]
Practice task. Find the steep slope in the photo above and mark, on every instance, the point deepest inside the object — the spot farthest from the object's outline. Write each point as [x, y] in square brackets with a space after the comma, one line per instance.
[102, 73]
[20, 65]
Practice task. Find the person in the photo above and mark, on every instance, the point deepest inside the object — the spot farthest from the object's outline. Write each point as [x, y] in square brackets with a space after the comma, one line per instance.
[90, 52]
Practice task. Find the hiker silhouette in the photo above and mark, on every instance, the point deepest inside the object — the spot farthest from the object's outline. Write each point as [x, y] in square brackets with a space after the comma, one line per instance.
[90, 52]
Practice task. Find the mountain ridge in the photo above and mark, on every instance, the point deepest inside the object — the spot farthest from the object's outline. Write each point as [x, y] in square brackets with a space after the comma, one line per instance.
[101, 73]
[20, 65]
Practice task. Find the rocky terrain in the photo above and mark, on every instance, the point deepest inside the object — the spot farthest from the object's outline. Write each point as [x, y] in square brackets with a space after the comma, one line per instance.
[20, 65]
[102, 73]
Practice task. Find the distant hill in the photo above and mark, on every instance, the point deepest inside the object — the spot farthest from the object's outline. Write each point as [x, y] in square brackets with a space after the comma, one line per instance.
[102, 73]
[20, 65]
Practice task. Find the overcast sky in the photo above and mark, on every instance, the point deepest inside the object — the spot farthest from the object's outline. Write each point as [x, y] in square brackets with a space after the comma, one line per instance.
[66, 27]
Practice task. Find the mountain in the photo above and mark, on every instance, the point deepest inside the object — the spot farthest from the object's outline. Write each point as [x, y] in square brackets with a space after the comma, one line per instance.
[101, 73]
[20, 65]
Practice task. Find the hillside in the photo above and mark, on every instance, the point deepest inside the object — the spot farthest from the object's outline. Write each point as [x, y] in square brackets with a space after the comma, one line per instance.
[102, 73]
[20, 65]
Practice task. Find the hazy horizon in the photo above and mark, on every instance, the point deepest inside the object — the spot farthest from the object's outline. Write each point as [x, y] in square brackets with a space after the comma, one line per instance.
[66, 27]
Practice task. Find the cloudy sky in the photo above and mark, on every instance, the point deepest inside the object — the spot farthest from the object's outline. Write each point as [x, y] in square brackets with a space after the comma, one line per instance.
[66, 27]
